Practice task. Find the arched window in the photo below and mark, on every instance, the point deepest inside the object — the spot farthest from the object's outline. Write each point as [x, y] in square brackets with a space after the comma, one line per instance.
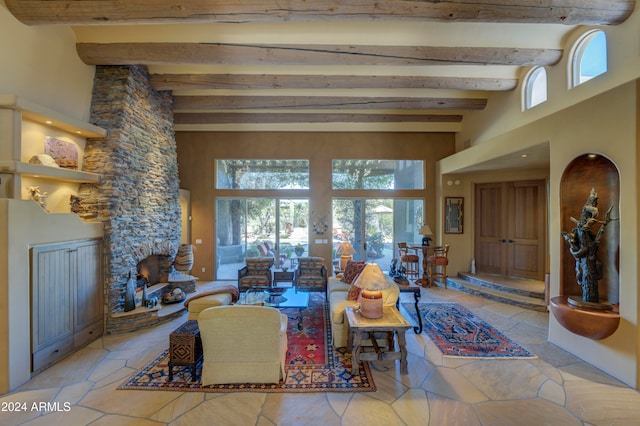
[535, 88]
[589, 58]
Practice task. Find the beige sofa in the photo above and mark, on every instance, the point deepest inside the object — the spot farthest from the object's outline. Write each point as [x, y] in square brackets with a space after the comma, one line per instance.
[337, 292]
[243, 344]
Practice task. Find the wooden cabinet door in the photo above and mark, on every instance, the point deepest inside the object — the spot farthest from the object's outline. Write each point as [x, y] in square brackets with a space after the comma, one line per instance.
[52, 295]
[510, 228]
[87, 264]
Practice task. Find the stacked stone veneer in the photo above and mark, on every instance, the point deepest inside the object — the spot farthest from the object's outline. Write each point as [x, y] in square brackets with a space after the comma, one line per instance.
[138, 196]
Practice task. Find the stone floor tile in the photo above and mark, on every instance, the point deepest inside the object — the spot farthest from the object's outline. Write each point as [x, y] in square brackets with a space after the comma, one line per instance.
[73, 393]
[105, 368]
[365, 410]
[552, 354]
[453, 385]
[75, 368]
[263, 421]
[117, 420]
[526, 334]
[116, 377]
[581, 371]
[502, 309]
[552, 391]
[135, 403]
[525, 412]
[388, 388]
[74, 416]
[229, 410]
[179, 406]
[339, 401]
[299, 409]
[504, 378]
[413, 407]
[598, 403]
[419, 369]
[20, 405]
[533, 318]
[556, 387]
[449, 412]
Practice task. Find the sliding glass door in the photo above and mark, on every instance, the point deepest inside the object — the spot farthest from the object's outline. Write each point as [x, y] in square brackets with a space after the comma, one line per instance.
[374, 226]
[259, 227]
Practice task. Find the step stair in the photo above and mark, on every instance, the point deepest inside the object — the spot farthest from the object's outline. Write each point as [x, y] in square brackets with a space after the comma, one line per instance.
[528, 294]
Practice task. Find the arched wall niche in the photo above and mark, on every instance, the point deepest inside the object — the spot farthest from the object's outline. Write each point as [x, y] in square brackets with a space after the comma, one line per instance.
[583, 173]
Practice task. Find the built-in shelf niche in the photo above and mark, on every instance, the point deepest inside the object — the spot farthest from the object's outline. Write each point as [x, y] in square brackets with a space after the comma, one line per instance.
[41, 114]
[583, 173]
[47, 172]
[32, 123]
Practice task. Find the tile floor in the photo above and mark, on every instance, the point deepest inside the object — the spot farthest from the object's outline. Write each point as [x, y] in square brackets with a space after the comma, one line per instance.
[554, 389]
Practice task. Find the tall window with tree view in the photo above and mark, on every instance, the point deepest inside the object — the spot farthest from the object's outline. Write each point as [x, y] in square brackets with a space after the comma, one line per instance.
[261, 226]
[373, 225]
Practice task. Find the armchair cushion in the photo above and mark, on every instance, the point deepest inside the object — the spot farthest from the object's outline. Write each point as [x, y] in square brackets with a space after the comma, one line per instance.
[259, 264]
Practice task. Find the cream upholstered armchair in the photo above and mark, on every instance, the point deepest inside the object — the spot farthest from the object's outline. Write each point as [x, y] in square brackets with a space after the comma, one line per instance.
[243, 344]
[256, 272]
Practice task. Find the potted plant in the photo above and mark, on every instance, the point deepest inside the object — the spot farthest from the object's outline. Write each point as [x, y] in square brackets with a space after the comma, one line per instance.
[299, 249]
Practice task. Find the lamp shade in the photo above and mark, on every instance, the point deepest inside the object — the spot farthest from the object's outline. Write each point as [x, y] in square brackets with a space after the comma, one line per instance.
[371, 281]
[345, 249]
[425, 230]
[372, 278]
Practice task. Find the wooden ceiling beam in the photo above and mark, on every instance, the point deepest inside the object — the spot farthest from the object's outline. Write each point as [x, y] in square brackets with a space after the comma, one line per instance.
[262, 118]
[275, 81]
[204, 103]
[294, 54]
[102, 12]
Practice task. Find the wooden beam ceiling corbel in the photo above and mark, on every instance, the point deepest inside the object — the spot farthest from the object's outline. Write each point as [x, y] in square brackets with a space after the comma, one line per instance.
[82, 12]
[294, 54]
[275, 81]
[208, 103]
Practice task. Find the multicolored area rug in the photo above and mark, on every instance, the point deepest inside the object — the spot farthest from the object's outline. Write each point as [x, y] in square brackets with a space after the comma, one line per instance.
[459, 333]
[312, 363]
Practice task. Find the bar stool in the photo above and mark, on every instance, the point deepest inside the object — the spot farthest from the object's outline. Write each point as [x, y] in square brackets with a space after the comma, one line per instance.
[409, 259]
[437, 265]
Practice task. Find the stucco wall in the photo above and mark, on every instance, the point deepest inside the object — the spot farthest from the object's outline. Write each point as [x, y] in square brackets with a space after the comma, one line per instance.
[605, 124]
[41, 64]
[197, 152]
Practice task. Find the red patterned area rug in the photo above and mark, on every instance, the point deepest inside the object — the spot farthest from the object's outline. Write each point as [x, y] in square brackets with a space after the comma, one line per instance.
[459, 333]
[313, 365]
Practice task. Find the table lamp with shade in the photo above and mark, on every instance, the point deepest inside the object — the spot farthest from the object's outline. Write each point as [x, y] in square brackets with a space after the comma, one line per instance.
[346, 252]
[425, 231]
[371, 282]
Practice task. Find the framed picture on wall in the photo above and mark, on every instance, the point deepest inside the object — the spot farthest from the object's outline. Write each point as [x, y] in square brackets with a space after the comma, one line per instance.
[453, 215]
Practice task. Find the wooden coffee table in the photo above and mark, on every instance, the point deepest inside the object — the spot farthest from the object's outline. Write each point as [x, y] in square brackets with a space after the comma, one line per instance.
[392, 323]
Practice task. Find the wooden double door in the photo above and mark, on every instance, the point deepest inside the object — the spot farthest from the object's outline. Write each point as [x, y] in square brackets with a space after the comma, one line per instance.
[510, 228]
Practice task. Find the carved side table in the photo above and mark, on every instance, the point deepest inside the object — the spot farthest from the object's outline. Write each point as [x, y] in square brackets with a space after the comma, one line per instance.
[185, 348]
[392, 324]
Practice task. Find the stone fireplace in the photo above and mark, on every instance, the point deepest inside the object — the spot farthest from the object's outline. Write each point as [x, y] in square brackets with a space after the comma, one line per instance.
[138, 197]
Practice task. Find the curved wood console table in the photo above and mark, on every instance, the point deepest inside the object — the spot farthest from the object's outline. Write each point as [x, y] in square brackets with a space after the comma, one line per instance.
[595, 325]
